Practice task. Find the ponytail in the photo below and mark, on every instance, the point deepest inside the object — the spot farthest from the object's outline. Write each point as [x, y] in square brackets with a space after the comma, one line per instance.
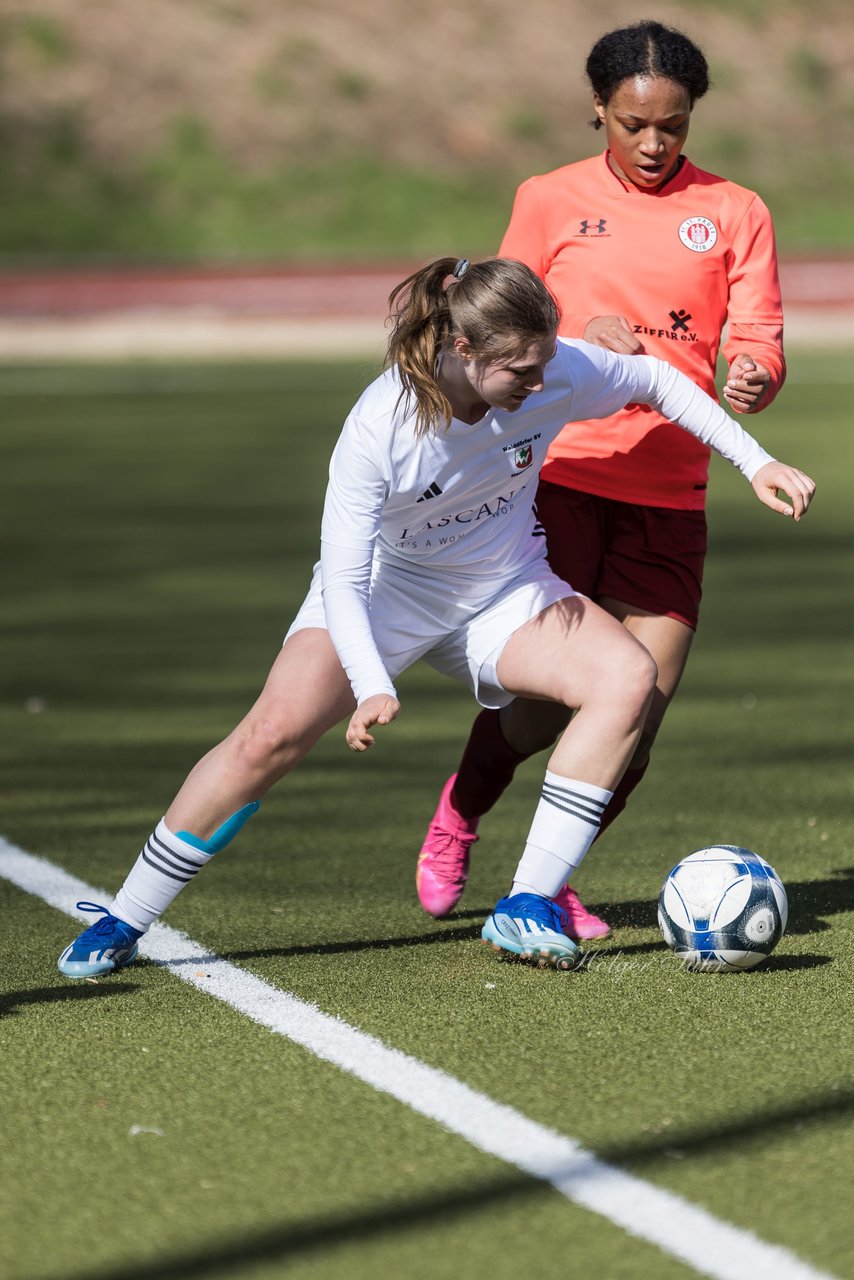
[499, 306]
[421, 329]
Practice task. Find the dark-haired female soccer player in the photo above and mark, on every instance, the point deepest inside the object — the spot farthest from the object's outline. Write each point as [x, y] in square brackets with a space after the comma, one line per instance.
[645, 253]
[430, 549]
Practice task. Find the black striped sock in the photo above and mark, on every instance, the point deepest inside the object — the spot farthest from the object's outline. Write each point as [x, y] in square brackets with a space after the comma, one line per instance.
[565, 825]
[165, 865]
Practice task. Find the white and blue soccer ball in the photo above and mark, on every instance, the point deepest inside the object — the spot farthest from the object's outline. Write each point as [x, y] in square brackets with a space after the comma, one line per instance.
[722, 908]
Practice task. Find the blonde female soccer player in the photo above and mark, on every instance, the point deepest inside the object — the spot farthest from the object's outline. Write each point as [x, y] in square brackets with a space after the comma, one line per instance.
[430, 549]
[644, 252]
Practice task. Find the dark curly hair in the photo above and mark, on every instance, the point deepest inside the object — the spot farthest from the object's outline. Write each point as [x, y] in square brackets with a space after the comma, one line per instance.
[646, 49]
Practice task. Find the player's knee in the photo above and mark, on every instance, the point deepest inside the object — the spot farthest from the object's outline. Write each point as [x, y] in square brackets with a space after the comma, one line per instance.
[637, 676]
[263, 744]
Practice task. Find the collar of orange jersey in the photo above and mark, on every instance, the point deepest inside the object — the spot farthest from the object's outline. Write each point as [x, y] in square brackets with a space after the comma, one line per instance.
[630, 188]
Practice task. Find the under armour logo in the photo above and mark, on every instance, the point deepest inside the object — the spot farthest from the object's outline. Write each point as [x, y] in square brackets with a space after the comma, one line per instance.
[680, 320]
[597, 227]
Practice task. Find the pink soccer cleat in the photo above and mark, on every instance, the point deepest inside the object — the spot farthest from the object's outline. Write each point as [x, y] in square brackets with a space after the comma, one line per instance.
[443, 863]
[580, 923]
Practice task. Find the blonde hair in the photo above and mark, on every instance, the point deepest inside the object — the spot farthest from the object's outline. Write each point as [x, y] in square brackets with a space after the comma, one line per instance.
[499, 306]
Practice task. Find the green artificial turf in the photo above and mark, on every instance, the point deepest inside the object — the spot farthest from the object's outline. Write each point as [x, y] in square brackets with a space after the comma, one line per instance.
[160, 526]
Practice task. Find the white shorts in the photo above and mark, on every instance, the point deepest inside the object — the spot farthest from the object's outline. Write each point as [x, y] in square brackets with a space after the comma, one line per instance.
[470, 653]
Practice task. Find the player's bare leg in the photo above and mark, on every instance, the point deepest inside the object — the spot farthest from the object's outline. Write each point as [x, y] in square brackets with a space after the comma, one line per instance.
[579, 656]
[305, 694]
[669, 642]
[501, 740]
[575, 654]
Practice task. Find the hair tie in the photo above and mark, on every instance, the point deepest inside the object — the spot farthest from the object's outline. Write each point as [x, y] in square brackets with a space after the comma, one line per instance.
[461, 267]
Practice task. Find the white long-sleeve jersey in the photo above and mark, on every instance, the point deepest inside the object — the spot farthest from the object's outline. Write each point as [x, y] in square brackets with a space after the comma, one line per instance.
[449, 518]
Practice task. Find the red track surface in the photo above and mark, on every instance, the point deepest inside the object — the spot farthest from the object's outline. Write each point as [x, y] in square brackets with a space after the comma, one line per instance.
[328, 292]
[344, 292]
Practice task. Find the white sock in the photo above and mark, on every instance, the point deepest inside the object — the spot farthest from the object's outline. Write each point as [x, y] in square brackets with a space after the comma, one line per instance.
[565, 825]
[166, 864]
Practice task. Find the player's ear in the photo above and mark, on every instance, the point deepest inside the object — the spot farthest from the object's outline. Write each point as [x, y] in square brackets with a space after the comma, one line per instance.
[463, 348]
[599, 107]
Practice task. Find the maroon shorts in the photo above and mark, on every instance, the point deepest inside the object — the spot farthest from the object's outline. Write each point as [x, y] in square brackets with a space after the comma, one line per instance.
[648, 557]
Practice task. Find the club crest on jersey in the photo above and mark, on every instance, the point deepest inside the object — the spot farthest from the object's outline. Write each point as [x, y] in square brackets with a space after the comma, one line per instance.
[520, 454]
[523, 457]
[698, 234]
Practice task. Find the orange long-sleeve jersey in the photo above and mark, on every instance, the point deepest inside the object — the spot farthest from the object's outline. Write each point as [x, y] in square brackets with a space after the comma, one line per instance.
[679, 263]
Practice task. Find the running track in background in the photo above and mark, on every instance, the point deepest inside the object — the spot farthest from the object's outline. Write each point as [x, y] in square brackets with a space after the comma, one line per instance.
[271, 311]
[329, 291]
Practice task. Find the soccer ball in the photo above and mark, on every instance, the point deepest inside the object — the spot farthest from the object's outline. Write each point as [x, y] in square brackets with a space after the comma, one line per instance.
[722, 908]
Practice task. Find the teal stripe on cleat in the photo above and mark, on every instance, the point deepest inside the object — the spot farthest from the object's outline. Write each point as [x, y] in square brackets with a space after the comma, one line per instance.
[95, 968]
[492, 933]
[106, 945]
[531, 926]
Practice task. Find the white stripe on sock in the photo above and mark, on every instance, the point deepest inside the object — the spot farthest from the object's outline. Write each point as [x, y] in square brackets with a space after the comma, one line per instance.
[564, 827]
[165, 865]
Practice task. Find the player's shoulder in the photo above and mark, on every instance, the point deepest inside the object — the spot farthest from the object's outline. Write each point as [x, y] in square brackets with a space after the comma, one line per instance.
[384, 389]
[379, 405]
[585, 366]
[566, 176]
[717, 188]
[575, 360]
[577, 351]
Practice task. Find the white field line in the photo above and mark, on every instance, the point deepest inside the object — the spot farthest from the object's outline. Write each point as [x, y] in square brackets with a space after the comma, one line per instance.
[711, 1247]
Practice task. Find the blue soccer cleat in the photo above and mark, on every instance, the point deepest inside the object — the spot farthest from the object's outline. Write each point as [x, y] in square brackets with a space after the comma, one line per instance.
[101, 948]
[532, 928]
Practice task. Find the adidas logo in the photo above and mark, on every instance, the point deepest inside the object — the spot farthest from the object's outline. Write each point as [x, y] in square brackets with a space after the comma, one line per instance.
[432, 492]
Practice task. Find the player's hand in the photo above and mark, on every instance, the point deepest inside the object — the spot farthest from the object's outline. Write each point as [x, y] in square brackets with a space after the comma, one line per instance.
[380, 708]
[776, 476]
[614, 333]
[746, 384]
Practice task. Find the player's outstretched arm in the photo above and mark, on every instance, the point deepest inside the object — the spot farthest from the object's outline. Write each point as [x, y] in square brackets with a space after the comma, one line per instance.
[776, 476]
[380, 708]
